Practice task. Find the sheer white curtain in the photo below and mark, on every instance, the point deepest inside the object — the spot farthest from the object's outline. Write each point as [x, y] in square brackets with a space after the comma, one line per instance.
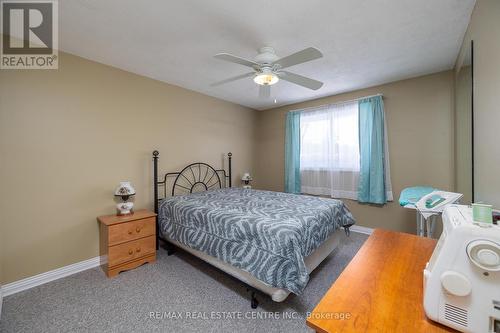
[329, 150]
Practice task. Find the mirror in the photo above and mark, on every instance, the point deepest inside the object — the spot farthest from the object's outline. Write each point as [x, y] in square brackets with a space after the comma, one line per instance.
[464, 126]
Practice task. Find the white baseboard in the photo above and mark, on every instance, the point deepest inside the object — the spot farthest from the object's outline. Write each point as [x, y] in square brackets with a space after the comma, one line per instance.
[37, 280]
[361, 229]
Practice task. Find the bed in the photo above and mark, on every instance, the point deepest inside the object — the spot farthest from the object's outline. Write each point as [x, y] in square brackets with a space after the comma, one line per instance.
[270, 241]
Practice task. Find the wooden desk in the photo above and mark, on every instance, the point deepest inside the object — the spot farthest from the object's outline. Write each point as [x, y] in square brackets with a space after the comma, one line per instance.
[381, 290]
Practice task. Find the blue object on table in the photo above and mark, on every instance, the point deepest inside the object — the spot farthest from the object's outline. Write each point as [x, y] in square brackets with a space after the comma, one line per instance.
[411, 195]
[433, 201]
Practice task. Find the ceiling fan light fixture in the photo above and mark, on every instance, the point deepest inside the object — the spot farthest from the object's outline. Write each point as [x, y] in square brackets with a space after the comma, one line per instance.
[266, 79]
[268, 68]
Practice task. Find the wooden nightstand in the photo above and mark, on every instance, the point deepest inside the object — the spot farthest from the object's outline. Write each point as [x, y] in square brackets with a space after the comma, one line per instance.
[127, 241]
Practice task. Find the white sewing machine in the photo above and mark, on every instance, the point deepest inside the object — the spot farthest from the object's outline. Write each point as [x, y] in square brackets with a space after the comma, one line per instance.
[462, 277]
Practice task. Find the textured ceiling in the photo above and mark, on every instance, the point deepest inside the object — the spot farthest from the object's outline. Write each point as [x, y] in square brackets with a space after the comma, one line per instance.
[364, 42]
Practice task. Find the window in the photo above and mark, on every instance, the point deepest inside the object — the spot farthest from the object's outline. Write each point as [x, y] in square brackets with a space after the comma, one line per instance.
[330, 139]
[329, 150]
[339, 150]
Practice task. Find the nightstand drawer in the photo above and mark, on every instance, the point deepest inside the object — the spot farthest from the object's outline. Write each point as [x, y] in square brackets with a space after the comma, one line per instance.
[124, 232]
[131, 250]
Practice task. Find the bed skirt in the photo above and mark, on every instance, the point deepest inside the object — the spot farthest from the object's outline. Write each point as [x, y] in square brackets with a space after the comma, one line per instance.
[277, 294]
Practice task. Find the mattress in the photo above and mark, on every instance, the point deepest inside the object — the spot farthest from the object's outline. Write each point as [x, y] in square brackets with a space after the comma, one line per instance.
[267, 234]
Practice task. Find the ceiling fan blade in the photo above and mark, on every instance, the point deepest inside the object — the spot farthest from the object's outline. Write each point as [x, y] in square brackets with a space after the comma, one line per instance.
[231, 79]
[305, 55]
[300, 80]
[236, 60]
[265, 91]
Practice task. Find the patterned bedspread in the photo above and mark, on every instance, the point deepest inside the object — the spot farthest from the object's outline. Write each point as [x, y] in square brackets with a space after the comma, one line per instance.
[267, 234]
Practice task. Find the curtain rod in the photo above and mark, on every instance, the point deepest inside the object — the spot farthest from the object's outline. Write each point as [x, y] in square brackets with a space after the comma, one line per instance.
[336, 103]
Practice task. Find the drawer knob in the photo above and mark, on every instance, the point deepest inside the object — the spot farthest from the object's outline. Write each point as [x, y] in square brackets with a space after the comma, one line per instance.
[130, 251]
[138, 229]
[130, 232]
[138, 250]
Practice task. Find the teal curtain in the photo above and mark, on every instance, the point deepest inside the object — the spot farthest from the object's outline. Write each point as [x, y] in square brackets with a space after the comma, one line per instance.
[292, 152]
[371, 187]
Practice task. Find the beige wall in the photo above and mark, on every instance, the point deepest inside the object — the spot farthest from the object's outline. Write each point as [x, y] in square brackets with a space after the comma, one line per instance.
[68, 136]
[484, 29]
[420, 130]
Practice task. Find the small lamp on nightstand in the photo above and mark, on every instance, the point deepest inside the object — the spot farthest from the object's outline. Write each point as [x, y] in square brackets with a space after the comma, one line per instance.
[125, 191]
[246, 179]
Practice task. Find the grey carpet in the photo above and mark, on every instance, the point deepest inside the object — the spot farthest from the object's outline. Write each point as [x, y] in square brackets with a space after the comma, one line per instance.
[181, 284]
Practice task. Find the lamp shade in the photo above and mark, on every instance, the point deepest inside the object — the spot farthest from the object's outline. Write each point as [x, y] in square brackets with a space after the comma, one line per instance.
[124, 189]
[266, 79]
[246, 177]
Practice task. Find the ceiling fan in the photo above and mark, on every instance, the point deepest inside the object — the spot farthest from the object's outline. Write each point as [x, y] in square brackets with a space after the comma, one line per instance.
[268, 69]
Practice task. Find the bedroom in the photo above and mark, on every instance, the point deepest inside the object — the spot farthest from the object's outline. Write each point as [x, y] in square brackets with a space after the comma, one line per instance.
[135, 77]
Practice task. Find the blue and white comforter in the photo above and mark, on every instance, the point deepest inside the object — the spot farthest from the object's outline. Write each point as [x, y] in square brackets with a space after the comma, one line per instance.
[267, 234]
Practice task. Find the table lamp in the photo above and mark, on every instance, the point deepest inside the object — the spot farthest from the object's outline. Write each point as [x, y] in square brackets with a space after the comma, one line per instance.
[125, 191]
[246, 179]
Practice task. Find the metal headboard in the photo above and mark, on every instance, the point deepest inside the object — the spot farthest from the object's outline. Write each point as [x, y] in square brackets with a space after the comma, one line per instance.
[194, 177]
